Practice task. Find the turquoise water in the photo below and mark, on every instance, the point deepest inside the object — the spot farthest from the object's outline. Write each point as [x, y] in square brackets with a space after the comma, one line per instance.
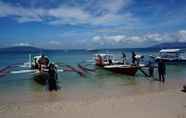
[100, 82]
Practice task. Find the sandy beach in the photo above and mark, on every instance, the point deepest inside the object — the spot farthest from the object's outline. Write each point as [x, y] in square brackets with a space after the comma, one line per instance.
[167, 103]
[102, 58]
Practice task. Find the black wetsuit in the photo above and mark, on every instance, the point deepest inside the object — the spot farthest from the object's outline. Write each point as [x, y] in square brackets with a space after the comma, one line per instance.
[52, 81]
[133, 57]
[161, 71]
[124, 57]
[151, 69]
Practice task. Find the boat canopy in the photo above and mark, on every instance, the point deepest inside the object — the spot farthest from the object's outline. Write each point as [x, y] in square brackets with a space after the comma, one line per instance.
[171, 51]
[104, 55]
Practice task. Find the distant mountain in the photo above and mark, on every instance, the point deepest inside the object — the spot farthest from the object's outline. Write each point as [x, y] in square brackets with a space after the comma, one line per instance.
[30, 49]
[169, 45]
[21, 49]
[146, 49]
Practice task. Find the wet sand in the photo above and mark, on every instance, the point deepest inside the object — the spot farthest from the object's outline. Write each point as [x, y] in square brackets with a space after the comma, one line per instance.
[136, 101]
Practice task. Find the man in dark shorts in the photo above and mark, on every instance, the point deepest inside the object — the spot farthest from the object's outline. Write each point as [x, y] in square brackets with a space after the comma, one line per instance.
[133, 57]
[52, 80]
[161, 70]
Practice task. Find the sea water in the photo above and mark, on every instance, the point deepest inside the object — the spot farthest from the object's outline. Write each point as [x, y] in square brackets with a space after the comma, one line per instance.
[21, 87]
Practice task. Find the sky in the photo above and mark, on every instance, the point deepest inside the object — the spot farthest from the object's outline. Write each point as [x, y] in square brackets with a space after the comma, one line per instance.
[91, 24]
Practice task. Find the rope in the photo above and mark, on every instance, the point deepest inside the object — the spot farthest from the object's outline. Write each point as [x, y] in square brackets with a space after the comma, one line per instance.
[4, 71]
[81, 73]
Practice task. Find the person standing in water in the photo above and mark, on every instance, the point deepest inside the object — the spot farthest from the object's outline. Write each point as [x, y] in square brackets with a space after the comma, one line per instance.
[161, 70]
[124, 58]
[52, 80]
[133, 58]
[151, 66]
[43, 63]
[151, 69]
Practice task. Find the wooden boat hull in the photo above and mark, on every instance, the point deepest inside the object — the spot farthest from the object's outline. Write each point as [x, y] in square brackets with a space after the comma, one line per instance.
[127, 70]
[41, 78]
[175, 61]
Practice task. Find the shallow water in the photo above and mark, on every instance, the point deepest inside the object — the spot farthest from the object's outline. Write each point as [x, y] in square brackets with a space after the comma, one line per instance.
[21, 87]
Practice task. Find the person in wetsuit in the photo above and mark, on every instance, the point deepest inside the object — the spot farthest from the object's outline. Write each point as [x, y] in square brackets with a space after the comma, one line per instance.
[52, 80]
[161, 70]
[184, 89]
[124, 58]
[36, 66]
[133, 58]
[151, 69]
[43, 62]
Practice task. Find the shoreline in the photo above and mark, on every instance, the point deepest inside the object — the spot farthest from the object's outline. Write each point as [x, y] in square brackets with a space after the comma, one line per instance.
[141, 88]
[164, 104]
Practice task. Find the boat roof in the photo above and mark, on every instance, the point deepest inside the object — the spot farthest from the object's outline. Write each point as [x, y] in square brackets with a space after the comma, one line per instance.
[37, 56]
[116, 66]
[103, 54]
[170, 51]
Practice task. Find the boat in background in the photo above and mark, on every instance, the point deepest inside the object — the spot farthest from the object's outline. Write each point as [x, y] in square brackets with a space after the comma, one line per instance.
[122, 69]
[103, 59]
[171, 56]
[106, 59]
[107, 62]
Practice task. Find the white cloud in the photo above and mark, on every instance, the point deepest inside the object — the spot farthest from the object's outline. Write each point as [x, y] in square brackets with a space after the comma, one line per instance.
[114, 6]
[108, 40]
[181, 35]
[69, 12]
[20, 13]
[28, 19]
[117, 39]
[52, 42]
[139, 41]
[155, 37]
[22, 44]
[71, 15]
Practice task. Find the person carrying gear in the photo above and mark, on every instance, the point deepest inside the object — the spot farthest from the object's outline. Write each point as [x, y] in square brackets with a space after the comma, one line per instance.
[52, 80]
[43, 63]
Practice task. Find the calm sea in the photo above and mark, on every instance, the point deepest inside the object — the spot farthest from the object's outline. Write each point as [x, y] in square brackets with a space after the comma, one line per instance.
[21, 87]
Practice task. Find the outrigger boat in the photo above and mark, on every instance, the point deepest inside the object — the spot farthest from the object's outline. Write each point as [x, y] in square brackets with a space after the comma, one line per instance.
[171, 56]
[106, 59]
[40, 69]
[122, 69]
[106, 62]
[38, 65]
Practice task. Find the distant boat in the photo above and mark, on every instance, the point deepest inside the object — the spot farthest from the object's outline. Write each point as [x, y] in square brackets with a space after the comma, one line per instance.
[122, 69]
[171, 56]
[103, 59]
[106, 62]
